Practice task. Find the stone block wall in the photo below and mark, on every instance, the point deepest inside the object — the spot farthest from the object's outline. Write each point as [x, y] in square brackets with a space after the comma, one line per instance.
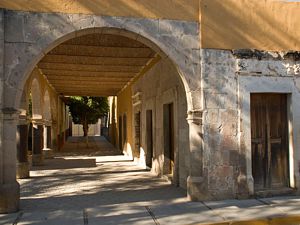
[220, 122]
[229, 77]
[162, 85]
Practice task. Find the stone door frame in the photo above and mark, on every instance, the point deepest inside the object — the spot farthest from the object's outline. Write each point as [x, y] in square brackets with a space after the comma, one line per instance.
[251, 84]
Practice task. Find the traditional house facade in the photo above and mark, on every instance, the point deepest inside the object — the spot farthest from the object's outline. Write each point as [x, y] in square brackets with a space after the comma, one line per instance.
[205, 93]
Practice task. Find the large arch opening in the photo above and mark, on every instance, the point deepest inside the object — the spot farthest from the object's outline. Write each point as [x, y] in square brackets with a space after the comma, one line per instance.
[147, 117]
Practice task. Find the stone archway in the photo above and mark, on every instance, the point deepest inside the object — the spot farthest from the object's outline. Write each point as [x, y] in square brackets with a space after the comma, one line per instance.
[46, 106]
[178, 41]
[36, 99]
[47, 129]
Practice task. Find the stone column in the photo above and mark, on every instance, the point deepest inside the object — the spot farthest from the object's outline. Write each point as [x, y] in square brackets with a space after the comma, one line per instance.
[9, 187]
[197, 180]
[22, 148]
[62, 139]
[37, 143]
[47, 150]
[54, 140]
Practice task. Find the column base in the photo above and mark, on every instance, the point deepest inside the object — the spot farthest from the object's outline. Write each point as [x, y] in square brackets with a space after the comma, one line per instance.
[29, 160]
[197, 189]
[37, 160]
[9, 197]
[22, 170]
[245, 186]
[48, 153]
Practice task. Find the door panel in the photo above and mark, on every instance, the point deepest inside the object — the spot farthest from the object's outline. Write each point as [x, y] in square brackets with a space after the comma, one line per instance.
[149, 139]
[120, 134]
[269, 132]
[137, 127]
[169, 136]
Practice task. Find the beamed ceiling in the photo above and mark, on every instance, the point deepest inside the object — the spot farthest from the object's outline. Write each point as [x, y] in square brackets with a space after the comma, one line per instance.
[95, 64]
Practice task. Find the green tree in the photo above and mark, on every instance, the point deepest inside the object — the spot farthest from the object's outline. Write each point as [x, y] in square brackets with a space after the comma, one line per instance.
[87, 110]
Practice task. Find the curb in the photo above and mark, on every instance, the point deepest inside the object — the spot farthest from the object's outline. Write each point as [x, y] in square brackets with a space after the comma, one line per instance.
[287, 220]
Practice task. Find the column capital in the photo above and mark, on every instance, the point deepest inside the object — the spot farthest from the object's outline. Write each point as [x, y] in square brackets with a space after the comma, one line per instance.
[9, 114]
[47, 122]
[37, 121]
[23, 120]
[194, 116]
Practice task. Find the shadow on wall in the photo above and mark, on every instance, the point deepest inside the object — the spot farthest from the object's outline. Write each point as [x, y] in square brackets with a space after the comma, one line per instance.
[253, 25]
[112, 126]
[173, 9]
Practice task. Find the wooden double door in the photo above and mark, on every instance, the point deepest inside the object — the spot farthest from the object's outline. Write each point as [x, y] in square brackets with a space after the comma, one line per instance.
[269, 141]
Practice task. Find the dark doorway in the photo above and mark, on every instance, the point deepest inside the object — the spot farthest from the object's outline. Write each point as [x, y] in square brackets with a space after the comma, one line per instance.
[269, 141]
[169, 138]
[120, 133]
[124, 131]
[149, 138]
[137, 127]
[30, 138]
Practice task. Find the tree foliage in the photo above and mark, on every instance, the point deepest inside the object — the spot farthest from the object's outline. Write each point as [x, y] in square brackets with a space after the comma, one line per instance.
[87, 110]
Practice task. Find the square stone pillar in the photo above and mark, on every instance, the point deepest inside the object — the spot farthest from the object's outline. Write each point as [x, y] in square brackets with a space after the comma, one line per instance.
[54, 137]
[22, 148]
[37, 143]
[197, 182]
[9, 187]
[47, 150]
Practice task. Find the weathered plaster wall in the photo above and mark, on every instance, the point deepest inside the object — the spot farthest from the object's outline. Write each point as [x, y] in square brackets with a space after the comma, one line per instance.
[125, 107]
[258, 24]
[228, 80]
[112, 122]
[167, 9]
[162, 85]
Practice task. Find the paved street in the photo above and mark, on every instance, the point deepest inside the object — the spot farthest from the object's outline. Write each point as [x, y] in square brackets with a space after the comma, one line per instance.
[99, 186]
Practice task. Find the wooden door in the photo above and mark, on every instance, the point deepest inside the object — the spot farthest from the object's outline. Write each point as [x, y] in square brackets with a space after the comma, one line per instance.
[137, 127]
[120, 134]
[169, 136]
[269, 140]
[149, 138]
[124, 130]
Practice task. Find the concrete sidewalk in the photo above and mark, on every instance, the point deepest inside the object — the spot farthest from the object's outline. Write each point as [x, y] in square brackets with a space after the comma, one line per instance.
[88, 188]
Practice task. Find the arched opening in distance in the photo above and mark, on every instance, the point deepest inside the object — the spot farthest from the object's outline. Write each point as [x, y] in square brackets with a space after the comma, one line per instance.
[35, 95]
[47, 106]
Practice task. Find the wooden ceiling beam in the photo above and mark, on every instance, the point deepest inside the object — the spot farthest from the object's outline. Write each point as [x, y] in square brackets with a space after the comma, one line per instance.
[96, 60]
[83, 50]
[88, 68]
[105, 40]
[49, 72]
[77, 78]
[87, 83]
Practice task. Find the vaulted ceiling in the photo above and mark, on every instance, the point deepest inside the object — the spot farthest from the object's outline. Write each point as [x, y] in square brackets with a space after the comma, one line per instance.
[95, 64]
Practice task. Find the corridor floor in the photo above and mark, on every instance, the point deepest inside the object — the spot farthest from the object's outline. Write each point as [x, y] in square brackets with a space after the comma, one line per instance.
[99, 186]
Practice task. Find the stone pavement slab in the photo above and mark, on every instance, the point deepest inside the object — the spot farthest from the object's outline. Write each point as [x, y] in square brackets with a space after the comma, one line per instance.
[243, 209]
[184, 213]
[289, 205]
